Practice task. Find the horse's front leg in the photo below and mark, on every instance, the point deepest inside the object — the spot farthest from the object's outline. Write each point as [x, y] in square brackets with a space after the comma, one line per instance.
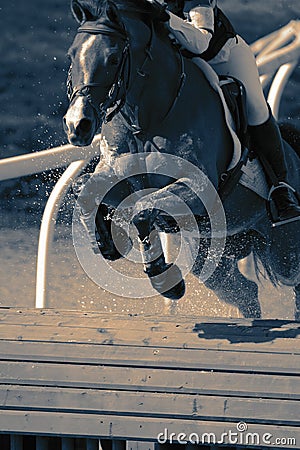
[91, 210]
[165, 278]
[175, 200]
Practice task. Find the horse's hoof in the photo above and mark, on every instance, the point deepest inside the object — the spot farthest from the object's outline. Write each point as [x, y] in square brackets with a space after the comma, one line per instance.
[169, 283]
[177, 292]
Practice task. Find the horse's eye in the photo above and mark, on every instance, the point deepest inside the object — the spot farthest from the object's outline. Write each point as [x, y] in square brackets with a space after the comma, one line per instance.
[113, 60]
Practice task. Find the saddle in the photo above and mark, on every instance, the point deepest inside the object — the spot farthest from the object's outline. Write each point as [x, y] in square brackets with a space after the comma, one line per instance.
[235, 96]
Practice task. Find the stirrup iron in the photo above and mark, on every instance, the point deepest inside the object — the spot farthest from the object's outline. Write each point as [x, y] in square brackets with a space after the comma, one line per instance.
[278, 223]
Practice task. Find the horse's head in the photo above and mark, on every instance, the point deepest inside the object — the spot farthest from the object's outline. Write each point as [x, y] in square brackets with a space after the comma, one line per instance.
[99, 71]
[112, 64]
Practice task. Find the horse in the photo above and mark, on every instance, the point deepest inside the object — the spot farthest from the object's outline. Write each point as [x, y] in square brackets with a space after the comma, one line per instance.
[130, 80]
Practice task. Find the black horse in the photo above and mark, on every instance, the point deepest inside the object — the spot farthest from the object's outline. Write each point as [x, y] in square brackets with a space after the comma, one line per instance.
[128, 79]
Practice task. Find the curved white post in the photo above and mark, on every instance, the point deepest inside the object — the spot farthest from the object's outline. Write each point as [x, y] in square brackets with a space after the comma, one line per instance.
[278, 85]
[47, 228]
[260, 44]
[280, 48]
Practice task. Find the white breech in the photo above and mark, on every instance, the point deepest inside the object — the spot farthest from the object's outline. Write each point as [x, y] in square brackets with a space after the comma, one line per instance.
[238, 61]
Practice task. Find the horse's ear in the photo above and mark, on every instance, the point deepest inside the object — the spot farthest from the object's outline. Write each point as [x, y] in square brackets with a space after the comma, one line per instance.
[113, 15]
[78, 12]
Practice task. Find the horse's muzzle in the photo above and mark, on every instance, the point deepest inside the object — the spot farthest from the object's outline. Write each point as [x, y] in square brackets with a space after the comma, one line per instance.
[80, 123]
[79, 135]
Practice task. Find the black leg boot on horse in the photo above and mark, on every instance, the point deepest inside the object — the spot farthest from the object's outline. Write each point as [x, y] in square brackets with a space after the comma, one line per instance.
[165, 278]
[267, 144]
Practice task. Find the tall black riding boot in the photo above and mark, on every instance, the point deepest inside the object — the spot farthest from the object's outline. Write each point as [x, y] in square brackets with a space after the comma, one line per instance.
[267, 143]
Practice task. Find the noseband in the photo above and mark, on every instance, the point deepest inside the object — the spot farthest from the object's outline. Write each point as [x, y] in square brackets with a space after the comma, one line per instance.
[114, 99]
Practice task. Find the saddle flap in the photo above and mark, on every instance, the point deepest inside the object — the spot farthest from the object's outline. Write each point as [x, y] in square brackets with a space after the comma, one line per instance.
[235, 97]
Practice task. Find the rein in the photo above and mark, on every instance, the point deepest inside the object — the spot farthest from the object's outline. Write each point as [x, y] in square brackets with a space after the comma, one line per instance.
[114, 99]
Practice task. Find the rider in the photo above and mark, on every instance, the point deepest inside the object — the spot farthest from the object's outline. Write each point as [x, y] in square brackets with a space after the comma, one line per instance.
[207, 33]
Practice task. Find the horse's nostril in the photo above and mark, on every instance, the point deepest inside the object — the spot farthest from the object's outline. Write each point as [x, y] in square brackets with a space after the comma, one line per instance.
[85, 125]
[65, 126]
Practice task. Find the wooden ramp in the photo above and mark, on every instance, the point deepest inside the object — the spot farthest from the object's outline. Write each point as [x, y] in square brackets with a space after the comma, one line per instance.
[130, 378]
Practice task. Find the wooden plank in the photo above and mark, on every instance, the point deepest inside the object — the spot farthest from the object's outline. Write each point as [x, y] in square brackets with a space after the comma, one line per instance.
[164, 323]
[287, 343]
[143, 379]
[76, 321]
[108, 316]
[150, 357]
[132, 427]
[152, 404]
[225, 329]
[268, 332]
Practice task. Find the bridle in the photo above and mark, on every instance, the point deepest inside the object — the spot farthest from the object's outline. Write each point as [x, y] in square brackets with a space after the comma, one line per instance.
[117, 94]
[121, 80]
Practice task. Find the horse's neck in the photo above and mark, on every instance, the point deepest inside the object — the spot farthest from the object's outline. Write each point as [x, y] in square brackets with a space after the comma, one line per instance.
[157, 86]
[154, 77]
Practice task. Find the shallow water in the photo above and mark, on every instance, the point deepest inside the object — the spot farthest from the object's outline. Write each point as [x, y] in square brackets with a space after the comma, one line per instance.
[70, 288]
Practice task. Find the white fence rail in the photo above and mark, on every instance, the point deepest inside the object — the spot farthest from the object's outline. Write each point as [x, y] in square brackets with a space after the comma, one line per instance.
[277, 56]
[30, 163]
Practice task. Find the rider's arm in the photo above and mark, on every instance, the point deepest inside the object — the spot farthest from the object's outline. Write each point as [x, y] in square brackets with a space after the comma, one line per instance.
[196, 34]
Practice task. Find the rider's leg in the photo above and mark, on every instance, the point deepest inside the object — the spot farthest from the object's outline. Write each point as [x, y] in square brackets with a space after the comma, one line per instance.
[266, 139]
[263, 128]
